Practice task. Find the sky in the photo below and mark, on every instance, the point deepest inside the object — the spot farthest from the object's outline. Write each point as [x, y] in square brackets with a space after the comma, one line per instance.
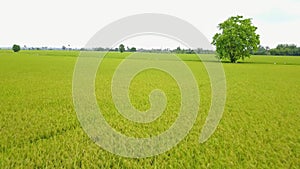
[55, 23]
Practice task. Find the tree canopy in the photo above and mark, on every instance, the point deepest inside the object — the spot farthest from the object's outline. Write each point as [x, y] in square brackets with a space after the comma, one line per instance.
[133, 49]
[237, 39]
[286, 49]
[16, 48]
[122, 48]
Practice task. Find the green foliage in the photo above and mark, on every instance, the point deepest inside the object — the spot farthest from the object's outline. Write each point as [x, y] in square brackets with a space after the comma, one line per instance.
[286, 49]
[122, 48]
[16, 48]
[39, 126]
[178, 50]
[133, 49]
[261, 51]
[237, 40]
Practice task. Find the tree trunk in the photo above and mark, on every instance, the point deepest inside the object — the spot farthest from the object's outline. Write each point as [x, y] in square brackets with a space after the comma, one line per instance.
[232, 59]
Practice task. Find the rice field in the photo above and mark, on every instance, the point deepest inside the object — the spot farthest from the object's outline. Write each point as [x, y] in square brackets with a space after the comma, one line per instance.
[39, 128]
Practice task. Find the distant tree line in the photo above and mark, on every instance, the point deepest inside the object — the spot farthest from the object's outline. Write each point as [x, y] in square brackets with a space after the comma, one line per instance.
[192, 51]
[285, 49]
[120, 49]
[178, 50]
[17, 48]
[280, 50]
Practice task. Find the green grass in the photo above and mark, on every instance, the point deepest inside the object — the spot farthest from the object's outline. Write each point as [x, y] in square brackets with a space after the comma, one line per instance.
[260, 127]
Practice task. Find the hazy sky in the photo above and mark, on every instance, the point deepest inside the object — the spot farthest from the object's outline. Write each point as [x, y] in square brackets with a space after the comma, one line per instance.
[62, 22]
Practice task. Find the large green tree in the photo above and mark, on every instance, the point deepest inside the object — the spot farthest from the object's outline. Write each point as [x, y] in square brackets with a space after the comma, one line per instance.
[237, 39]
